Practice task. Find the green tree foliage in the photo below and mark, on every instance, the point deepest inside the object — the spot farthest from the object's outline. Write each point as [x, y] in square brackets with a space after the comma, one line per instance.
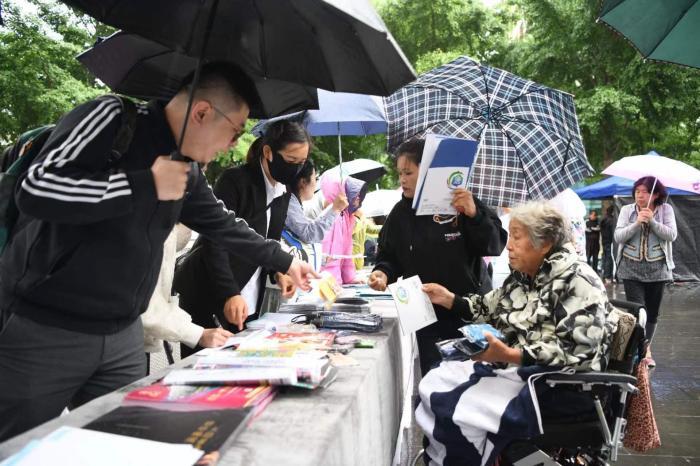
[429, 31]
[40, 78]
[625, 105]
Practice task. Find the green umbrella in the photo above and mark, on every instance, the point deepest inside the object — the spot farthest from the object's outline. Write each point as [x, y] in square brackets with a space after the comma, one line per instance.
[662, 30]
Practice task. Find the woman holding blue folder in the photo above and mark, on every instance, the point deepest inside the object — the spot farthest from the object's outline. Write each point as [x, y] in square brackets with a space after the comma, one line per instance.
[439, 249]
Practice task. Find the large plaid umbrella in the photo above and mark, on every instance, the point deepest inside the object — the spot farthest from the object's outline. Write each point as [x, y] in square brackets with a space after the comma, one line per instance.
[530, 145]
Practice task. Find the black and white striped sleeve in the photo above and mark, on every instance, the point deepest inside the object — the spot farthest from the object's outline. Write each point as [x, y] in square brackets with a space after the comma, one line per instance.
[71, 180]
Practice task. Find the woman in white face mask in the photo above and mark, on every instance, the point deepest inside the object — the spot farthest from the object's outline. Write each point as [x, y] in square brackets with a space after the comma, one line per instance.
[212, 281]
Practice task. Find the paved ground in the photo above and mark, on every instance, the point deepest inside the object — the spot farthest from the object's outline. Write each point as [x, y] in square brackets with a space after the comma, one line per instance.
[676, 379]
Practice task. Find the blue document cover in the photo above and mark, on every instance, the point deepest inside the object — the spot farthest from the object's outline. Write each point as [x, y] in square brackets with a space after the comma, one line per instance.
[445, 166]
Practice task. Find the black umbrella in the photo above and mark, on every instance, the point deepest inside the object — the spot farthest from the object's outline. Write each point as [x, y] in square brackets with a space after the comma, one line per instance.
[132, 65]
[338, 45]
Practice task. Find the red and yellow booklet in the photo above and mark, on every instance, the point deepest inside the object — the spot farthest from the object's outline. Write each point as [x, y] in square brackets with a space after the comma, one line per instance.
[192, 397]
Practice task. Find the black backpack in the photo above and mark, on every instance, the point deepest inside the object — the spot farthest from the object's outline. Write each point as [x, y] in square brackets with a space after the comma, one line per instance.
[17, 159]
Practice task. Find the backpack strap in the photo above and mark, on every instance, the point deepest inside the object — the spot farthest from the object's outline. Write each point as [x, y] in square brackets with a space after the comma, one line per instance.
[126, 130]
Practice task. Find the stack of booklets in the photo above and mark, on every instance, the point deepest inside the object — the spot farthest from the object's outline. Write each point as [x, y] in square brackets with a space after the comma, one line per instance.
[308, 308]
[198, 398]
[298, 359]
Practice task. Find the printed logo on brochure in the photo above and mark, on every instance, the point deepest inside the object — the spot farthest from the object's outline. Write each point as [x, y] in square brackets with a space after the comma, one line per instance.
[455, 180]
[402, 295]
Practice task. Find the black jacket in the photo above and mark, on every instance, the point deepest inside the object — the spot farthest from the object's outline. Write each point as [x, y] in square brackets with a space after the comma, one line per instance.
[449, 254]
[89, 254]
[607, 230]
[207, 276]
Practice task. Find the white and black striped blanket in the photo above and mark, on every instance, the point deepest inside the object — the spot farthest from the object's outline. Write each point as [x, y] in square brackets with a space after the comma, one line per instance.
[471, 411]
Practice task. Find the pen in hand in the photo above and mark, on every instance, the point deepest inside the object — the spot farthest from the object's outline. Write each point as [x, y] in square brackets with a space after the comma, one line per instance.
[216, 321]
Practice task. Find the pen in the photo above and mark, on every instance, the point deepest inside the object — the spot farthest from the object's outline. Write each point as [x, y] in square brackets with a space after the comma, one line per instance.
[216, 321]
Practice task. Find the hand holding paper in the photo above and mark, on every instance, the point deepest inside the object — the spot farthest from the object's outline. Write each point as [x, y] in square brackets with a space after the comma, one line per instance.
[412, 305]
[463, 201]
[444, 168]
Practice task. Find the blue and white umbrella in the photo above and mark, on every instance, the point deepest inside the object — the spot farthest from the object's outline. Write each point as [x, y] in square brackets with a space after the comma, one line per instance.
[338, 114]
[530, 144]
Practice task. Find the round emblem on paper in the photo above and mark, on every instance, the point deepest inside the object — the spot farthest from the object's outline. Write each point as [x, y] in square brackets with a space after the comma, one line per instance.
[455, 180]
[402, 295]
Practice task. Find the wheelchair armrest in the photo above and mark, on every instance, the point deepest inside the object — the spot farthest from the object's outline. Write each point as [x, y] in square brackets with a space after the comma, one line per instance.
[587, 379]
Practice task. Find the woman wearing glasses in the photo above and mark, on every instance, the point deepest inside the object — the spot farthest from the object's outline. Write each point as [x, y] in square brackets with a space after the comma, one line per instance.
[208, 279]
[442, 249]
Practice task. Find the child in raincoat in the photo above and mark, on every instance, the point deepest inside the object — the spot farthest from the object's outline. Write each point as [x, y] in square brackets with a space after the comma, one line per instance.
[337, 244]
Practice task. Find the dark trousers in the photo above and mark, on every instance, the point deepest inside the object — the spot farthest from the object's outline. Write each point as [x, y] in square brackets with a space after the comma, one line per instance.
[647, 293]
[46, 369]
[608, 260]
[592, 251]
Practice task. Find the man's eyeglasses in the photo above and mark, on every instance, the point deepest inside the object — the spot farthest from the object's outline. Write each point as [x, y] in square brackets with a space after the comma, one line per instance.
[239, 131]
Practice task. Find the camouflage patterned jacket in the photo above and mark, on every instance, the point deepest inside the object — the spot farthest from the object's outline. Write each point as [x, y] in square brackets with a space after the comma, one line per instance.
[561, 318]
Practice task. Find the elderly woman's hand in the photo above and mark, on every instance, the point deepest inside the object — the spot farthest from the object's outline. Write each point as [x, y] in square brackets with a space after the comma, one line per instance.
[439, 295]
[498, 352]
[463, 201]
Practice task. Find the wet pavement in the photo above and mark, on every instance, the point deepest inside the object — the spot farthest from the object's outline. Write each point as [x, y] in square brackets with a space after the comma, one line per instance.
[675, 382]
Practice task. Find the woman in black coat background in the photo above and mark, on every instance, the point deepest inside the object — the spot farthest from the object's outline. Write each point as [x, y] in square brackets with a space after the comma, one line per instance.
[439, 249]
[212, 282]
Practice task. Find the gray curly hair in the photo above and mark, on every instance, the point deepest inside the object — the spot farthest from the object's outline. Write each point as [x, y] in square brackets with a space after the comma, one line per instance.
[544, 224]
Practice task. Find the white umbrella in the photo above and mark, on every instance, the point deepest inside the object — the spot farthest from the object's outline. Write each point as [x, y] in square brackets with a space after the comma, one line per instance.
[569, 204]
[380, 202]
[672, 173]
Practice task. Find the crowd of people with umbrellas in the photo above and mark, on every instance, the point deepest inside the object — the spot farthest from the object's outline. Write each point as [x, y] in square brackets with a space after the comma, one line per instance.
[91, 264]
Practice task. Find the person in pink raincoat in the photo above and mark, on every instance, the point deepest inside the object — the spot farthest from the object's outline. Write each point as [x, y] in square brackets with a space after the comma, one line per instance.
[337, 244]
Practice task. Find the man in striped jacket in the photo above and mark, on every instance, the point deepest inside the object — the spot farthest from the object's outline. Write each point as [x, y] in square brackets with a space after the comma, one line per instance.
[81, 269]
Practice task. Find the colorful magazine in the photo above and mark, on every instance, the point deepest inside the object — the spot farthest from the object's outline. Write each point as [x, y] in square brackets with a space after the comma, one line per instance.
[192, 397]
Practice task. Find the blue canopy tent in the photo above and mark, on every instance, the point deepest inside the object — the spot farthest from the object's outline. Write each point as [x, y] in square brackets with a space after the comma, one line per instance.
[616, 186]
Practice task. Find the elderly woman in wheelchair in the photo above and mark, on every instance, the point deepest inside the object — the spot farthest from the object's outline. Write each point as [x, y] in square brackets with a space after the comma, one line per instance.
[555, 316]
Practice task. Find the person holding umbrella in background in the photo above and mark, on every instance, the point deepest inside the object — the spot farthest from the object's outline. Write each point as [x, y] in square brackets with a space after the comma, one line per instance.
[211, 280]
[645, 232]
[447, 250]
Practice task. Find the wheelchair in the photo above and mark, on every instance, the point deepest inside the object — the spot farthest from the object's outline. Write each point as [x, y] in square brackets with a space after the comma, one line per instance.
[596, 439]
